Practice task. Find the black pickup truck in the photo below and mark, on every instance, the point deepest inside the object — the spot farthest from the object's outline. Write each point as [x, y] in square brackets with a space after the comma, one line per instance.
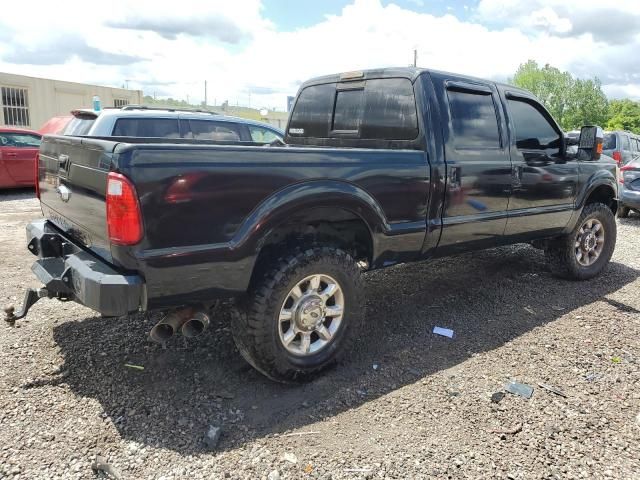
[377, 168]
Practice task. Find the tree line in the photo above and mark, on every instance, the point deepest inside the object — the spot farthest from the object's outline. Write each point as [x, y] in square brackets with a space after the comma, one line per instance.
[574, 102]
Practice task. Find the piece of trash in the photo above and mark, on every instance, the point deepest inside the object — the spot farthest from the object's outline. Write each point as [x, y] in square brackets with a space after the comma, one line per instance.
[508, 431]
[557, 309]
[100, 464]
[299, 434]
[273, 475]
[552, 389]
[362, 393]
[308, 468]
[376, 366]
[592, 377]
[212, 437]
[225, 395]
[135, 367]
[496, 397]
[445, 332]
[529, 310]
[358, 470]
[290, 457]
[521, 389]
[616, 360]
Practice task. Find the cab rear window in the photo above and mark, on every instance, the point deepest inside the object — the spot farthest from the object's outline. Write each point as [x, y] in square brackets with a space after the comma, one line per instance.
[373, 109]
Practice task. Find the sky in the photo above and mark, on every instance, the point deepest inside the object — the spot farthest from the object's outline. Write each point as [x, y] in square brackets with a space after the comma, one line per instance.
[256, 52]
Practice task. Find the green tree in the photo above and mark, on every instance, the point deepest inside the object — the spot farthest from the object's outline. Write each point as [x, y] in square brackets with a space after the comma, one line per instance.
[624, 115]
[572, 102]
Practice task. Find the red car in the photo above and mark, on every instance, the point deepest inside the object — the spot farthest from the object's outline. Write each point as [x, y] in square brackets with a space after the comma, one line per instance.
[55, 125]
[18, 150]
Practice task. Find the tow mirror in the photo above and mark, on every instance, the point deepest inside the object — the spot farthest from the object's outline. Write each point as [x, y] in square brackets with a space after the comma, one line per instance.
[590, 143]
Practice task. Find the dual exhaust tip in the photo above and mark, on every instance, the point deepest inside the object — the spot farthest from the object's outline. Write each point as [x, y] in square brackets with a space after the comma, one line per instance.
[189, 322]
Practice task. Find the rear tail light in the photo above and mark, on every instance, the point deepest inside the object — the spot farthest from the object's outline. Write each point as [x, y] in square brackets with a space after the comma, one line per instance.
[124, 221]
[547, 177]
[626, 168]
[617, 156]
[36, 175]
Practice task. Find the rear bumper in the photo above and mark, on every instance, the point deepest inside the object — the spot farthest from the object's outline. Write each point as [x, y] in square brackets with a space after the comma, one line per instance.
[69, 272]
[629, 198]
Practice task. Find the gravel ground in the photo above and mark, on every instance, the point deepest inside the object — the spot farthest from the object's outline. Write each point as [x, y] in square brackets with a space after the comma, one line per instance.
[406, 404]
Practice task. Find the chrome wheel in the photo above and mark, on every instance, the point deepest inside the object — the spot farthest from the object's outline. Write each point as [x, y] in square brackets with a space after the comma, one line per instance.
[311, 315]
[589, 242]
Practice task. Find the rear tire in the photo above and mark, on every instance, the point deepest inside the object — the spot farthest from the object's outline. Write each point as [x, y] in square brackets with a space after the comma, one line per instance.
[623, 212]
[586, 251]
[301, 315]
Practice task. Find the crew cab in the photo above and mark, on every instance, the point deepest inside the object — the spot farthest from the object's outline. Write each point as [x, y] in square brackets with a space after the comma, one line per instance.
[377, 168]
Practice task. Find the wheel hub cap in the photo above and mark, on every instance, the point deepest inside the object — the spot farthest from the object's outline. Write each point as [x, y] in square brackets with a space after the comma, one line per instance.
[311, 315]
[589, 242]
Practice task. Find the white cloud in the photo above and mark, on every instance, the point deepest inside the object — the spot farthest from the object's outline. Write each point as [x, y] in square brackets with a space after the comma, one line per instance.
[233, 46]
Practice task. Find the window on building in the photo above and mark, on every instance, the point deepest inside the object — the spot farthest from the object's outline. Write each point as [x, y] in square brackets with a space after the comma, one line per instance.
[15, 106]
[120, 102]
[473, 117]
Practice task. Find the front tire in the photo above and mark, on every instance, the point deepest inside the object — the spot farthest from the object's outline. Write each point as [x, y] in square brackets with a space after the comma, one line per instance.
[586, 251]
[301, 315]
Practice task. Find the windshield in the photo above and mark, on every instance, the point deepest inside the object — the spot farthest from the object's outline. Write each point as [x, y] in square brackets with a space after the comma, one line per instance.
[609, 141]
[79, 126]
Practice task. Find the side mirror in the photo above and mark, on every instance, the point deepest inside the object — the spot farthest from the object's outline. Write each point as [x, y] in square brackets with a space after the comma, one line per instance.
[590, 143]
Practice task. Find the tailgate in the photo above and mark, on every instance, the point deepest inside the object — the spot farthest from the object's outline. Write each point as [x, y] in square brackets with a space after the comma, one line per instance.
[72, 179]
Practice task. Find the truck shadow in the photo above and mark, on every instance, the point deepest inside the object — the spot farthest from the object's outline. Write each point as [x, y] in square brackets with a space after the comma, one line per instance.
[488, 298]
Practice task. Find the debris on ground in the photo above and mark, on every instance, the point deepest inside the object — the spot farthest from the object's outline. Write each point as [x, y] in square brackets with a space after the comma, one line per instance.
[212, 437]
[308, 468]
[290, 457]
[445, 332]
[530, 310]
[616, 360]
[520, 389]
[508, 431]
[273, 475]
[496, 397]
[100, 464]
[299, 434]
[552, 389]
[134, 367]
[376, 366]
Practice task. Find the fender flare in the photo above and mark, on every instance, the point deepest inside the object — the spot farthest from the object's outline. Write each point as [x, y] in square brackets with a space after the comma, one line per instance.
[283, 204]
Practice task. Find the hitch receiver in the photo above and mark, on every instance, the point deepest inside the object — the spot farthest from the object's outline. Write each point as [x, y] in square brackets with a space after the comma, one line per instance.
[31, 296]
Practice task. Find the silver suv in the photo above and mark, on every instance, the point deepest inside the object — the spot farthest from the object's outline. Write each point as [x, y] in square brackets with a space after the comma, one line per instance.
[147, 122]
[622, 146]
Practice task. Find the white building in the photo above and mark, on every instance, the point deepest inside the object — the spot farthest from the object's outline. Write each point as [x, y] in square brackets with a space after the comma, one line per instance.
[30, 102]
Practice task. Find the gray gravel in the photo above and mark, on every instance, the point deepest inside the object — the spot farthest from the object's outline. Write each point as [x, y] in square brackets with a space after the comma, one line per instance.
[424, 412]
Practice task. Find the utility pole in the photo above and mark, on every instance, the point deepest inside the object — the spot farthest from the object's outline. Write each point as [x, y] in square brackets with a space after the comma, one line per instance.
[205, 93]
[415, 57]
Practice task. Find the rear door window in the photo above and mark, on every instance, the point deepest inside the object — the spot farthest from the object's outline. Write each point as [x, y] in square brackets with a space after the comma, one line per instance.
[347, 115]
[311, 116]
[217, 131]
[473, 119]
[147, 128]
[624, 140]
[262, 135]
[609, 141]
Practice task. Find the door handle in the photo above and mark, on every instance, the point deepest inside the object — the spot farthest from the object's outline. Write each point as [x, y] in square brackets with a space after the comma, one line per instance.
[11, 155]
